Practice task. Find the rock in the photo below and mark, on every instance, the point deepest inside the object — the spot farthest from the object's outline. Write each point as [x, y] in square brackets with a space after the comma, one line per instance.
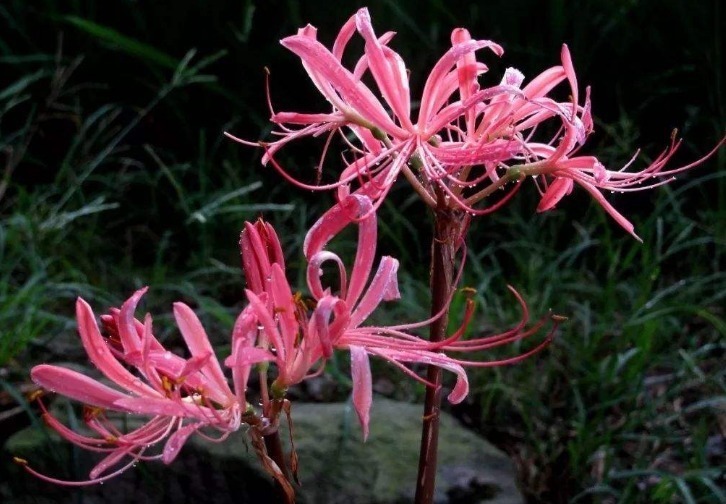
[335, 466]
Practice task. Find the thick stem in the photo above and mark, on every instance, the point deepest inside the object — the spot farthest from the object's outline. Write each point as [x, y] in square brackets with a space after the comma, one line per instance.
[274, 451]
[448, 228]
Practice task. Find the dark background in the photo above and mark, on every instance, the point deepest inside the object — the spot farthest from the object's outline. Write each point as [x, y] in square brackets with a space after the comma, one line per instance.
[115, 174]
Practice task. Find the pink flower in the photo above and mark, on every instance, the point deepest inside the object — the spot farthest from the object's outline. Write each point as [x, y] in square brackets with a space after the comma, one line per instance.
[299, 337]
[181, 396]
[558, 159]
[388, 141]
[467, 142]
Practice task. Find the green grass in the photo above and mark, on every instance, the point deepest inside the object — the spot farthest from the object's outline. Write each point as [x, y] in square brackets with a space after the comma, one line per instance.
[115, 175]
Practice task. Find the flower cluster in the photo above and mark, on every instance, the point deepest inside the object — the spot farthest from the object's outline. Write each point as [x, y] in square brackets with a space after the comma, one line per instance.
[467, 141]
[187, 396]
[181, 395]
[464, 144]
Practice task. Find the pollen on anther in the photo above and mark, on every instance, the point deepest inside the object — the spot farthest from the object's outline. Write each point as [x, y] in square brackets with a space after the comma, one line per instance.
[20, 461]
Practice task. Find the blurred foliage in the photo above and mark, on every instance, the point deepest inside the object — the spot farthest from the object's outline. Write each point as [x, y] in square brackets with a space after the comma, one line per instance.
[114, 174]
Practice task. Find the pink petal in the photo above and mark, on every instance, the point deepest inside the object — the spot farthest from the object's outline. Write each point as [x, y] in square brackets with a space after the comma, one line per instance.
[321, 62]
[619, 218]
[325, 88]
[163, 407]
[285, 308]
[383, 286]
[265, 318]
[193, 365]
[332, 223]
[114, 458]
[321, 323]
[344, 36]
[360, 369]
[388, 70]
[102, 357]
[245, 357]
[436, 77]
[571, 77]
[544, 82]
[244, 337]
[199, 345]
[467, 73]
[76, 386]
[127, 327]
[557, 190]
[175, 442]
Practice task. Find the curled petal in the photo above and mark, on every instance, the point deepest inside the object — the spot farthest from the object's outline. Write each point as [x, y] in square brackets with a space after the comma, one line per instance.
[461, 387]
[324, 332]
[384, 286]
[314, 273]
[355, 208]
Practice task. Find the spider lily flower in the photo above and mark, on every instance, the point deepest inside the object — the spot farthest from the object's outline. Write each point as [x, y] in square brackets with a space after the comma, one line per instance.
[560, 163]
[389, 143]
[300, 337]
[182, 396]
[467, 142]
